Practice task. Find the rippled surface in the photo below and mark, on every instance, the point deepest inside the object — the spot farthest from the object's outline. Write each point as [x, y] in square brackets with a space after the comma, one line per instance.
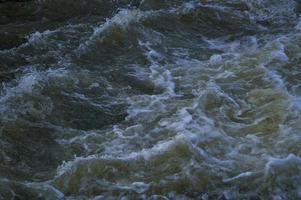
[150, 99]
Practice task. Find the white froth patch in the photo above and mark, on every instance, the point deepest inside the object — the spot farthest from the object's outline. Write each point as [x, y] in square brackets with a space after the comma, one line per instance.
[279, 53]
[152, 55]
[221, 44]
[26, 84]
[276, 78]
[122, 20]
[36, 36]
[225, 74]
[158, 149]
[167, 82]
[296, 102]
[147, 154]
[239, 176]
[279, 162]
[161, 76]
[94, 85]
[214, 59]
[140, 187]
[129, 133]
[231, 194]
[188, 6]
[185, 119]
[69, 166]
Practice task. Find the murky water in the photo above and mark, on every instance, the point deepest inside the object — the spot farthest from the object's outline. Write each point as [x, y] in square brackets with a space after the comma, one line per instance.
[150, 99]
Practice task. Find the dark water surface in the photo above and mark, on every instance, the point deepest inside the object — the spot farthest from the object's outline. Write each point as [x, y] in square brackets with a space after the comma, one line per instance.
[150, 99]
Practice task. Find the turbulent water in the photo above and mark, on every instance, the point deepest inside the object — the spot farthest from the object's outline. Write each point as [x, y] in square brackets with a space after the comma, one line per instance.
[150, 99]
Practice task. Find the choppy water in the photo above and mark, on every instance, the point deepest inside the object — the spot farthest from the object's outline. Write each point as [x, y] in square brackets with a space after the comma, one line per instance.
[150, 99]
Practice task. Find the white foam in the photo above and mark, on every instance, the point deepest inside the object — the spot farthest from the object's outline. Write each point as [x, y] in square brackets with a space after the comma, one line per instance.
[296, 102]
[214, 59]
[221, 44]
[94, 85]
[36, 36]
[279, 53]
[98, 197]
[27, 84]
[161, 147]
[231, 194]
[156, 150]
[185, 118]
[239, 176]
[140, 187]
[279, 162]
[121, 20]
[273, 75]
[69, 166]
[188, 6]
[39, 36]
[161, 76]
[225, 74]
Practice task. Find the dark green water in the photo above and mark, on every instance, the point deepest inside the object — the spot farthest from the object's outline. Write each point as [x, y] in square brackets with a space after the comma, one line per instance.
[150, 99]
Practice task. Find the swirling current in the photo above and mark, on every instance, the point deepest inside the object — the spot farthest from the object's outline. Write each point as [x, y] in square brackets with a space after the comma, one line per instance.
[150, 99]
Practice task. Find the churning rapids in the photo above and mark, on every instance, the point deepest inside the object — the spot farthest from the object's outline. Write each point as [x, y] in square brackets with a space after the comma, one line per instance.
[150, 99]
